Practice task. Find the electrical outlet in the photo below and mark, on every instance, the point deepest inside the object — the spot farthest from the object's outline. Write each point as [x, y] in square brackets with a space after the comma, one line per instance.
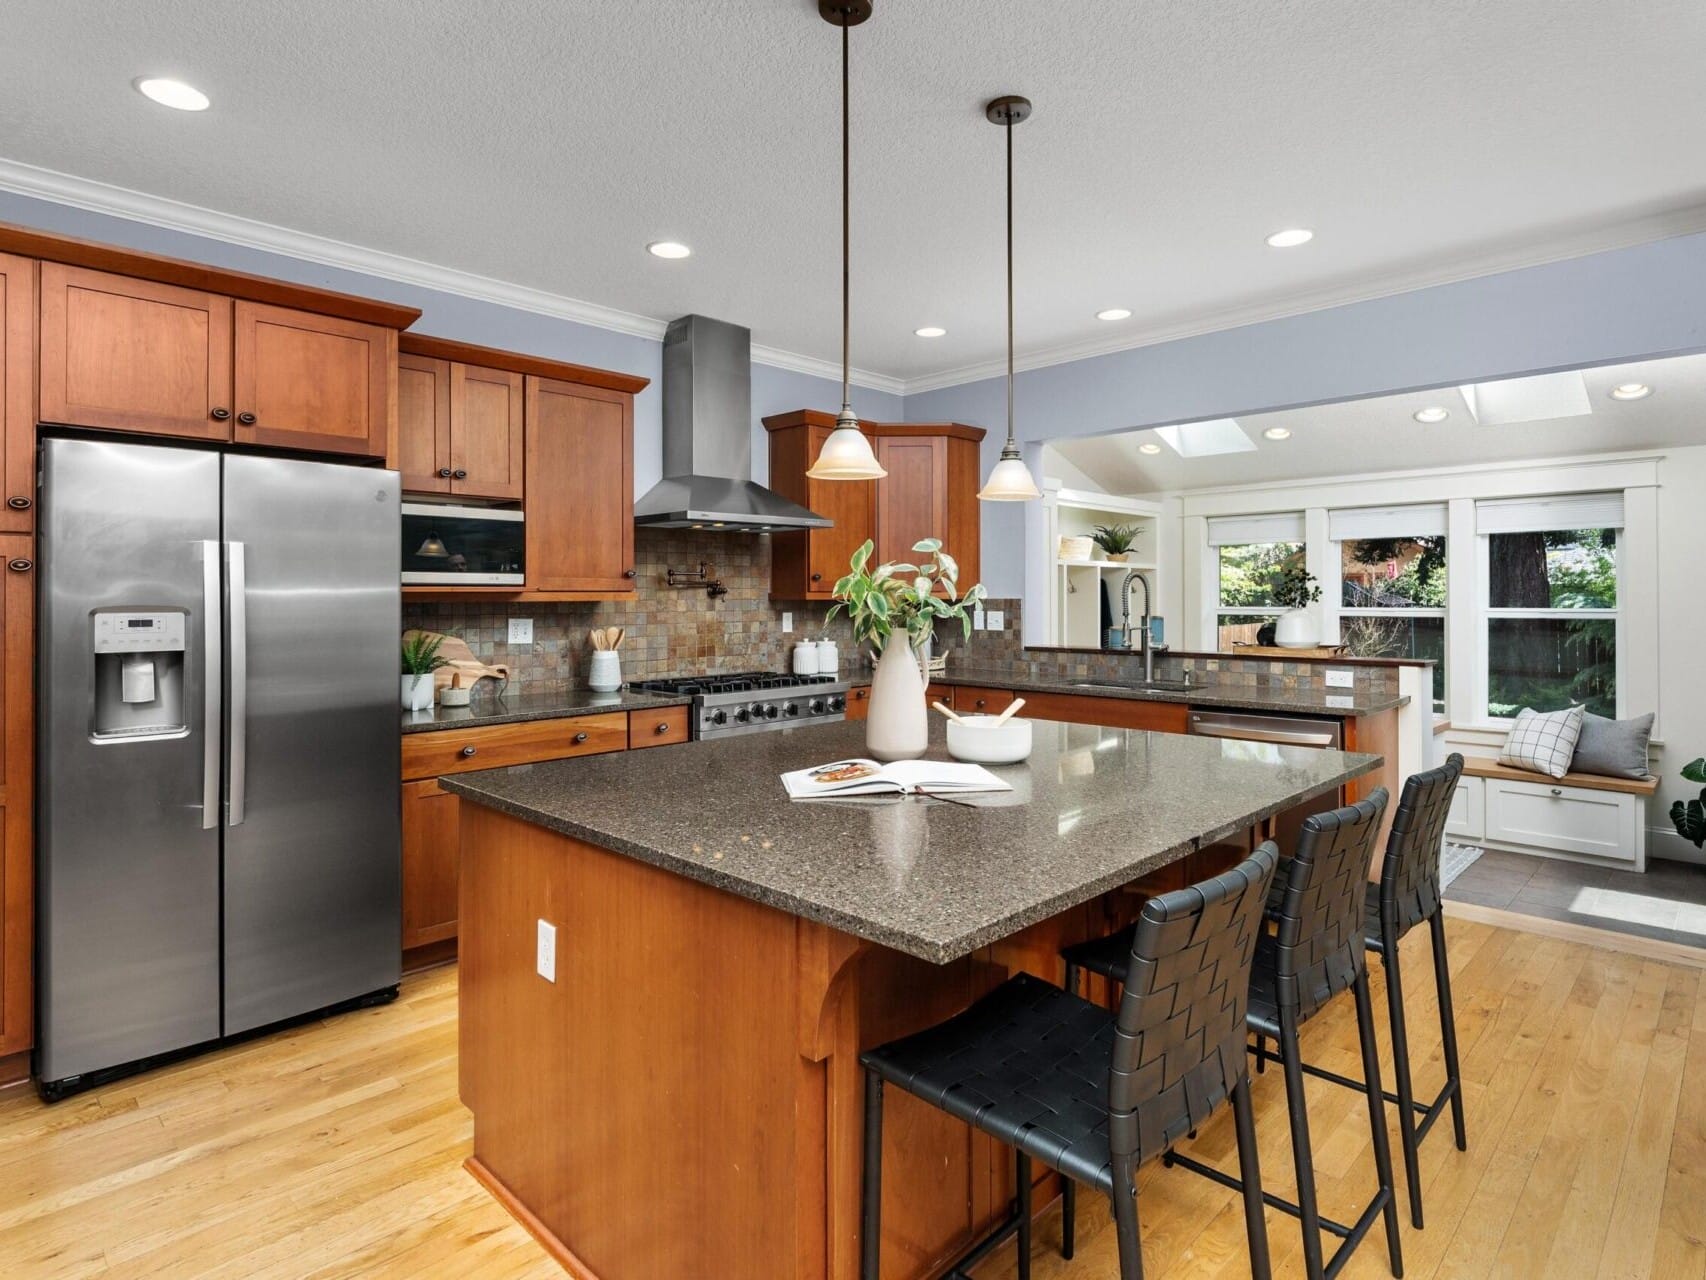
[1340, 679]
[787, 622]
[521, 630]
[546, 962]
[1340, 701]
[978, 621]
[997, 619]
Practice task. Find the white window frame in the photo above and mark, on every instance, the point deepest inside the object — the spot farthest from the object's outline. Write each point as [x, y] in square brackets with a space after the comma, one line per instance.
[1341, 611]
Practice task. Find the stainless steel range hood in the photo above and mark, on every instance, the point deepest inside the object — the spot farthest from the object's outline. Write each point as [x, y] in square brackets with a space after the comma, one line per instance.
[707, 439]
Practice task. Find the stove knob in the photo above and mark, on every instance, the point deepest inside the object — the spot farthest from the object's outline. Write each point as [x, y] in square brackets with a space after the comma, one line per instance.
[816, 707]
[742, 716]
[838, 703]
[719, 716]
[770, 710]
[790, 708]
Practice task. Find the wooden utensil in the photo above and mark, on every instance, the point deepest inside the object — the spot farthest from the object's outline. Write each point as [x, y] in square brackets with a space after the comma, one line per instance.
[948, 711]
[1011, 708]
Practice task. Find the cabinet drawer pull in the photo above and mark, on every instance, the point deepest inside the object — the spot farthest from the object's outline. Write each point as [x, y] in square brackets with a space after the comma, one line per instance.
[858, 694]
[459, 475]
[1557, 791]
[980, 703]
[444, 473]
[20, 503]
[20, 565]
[247, 419]
[817, 577]
[663, 727]
[627, 573]
[219, 415]
[580, 737]
[468, 751]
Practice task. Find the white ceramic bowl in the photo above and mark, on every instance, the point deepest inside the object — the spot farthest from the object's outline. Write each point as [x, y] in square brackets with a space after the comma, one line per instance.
[981, 740]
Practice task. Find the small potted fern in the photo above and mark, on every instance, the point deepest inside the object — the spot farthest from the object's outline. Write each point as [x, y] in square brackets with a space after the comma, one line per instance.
[1116, 540]
[420, 661]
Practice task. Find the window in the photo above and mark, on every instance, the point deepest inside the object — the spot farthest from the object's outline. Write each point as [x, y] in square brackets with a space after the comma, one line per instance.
[1392, 570]
[1250, 553]
[1552, 621]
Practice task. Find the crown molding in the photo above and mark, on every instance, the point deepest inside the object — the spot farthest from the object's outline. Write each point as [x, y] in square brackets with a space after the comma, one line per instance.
[249, 233]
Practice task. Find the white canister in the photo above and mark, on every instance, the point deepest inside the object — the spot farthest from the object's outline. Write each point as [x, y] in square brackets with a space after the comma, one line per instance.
[605, 674]
[828, 657]
[805, 658]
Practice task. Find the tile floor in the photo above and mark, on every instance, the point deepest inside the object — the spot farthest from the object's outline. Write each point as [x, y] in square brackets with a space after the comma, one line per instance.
[1668, 903]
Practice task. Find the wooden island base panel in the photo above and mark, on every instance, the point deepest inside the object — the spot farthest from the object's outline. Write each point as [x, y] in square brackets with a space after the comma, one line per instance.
[752, 1167]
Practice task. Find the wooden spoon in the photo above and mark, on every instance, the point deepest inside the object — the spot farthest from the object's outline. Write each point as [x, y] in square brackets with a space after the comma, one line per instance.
[948, 711]
[1011, 708]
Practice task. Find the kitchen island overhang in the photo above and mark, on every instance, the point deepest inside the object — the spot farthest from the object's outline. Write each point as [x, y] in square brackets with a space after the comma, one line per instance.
[682, 1097]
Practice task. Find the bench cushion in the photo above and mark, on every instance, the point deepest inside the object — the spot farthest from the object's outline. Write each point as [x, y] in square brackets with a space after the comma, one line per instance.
[1481, 768]
[1614, 748]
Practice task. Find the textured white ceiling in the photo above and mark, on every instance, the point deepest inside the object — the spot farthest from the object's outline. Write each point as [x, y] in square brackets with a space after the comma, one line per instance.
[1364, 436]
[544, 143]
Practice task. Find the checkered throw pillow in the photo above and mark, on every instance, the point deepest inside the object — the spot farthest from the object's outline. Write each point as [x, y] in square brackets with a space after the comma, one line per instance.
[1543, 742]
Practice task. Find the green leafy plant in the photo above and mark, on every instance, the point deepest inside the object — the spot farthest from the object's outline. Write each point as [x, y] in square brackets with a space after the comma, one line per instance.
[420, 653]
[1295, 588]
[1689, 816]
[902, 597]
[1116, 539]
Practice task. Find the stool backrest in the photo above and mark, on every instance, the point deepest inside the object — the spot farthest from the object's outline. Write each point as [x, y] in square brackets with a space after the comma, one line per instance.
[1409, 876]
[1321, 925]
[1179, 1042]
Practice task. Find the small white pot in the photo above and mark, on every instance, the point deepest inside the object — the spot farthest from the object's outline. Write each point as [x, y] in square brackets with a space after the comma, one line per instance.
[1297, 629]
[417, 693]
[989, 739]
[605, 673]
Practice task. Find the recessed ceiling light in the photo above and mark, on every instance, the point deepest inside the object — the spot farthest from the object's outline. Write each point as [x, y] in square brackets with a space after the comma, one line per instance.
[1114, 313]
[172, 93]
[668, 249]
[1631, 391]
[1277, 433]
[1290, 238]
[1149, 448]
[1433, 413]
[931, 331]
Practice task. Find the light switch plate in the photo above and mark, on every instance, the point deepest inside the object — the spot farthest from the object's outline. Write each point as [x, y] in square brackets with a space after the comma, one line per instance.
[546, 962]
[521, 630]
[1339, 679]
[978, 621]
[997, 618]
[787, 622]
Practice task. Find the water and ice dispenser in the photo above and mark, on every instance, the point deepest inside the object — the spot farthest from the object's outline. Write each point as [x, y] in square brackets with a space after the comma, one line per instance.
[139, 674]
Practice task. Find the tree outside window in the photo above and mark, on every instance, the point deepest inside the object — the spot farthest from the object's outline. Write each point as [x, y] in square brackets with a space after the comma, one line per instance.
[1392, 602]
[1248, 575]
[1552, 621]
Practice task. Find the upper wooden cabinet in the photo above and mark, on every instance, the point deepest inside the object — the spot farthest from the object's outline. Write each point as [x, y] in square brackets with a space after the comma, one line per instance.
[930, 492]
[17, 394]
[459, 428]
[126, 354]
[580, 487]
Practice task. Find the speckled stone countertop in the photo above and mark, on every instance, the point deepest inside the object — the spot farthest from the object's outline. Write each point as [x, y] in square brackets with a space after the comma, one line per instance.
[1303, 702]
[530, 706]
[1092, 809]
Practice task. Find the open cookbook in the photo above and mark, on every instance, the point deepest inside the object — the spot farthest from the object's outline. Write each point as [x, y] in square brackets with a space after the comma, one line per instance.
[904, 777]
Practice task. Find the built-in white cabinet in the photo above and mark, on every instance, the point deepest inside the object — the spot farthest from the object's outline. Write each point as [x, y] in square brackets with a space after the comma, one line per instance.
[1467, 818]
[1550, 819]
[1077, 581]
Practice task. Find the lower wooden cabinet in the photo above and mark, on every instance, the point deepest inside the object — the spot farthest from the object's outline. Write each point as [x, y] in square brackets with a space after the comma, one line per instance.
[661, 728]
[431, 836]
[859, 702]
[1114, 713]
[981, 702]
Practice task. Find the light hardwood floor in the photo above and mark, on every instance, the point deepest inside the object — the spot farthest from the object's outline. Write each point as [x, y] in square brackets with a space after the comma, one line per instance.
[335, 1149]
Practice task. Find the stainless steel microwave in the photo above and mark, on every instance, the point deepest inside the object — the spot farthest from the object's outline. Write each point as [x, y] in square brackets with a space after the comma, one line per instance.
[463, 546]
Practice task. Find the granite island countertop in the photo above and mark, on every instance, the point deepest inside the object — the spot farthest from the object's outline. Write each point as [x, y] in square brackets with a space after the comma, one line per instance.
[1092, 809]
[516, 708]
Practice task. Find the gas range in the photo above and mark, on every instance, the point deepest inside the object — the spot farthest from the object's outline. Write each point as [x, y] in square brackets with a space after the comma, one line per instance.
[750, 701]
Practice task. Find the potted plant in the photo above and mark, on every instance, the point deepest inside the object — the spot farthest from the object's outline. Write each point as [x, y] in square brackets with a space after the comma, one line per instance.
[900, 600]
[1689, 816]
[1295, 589]
[420, 660]
[1116, 540]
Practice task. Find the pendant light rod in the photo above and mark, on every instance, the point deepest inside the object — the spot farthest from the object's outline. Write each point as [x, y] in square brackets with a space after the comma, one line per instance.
[1010, 480]
[846, 232]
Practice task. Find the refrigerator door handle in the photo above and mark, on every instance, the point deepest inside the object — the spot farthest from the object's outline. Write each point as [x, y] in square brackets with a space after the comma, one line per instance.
[212, 685]
[237, 586]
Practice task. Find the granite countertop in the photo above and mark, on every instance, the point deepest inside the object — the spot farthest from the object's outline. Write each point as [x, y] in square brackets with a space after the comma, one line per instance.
[1092, 809]
[1311, 702]
[516, 707]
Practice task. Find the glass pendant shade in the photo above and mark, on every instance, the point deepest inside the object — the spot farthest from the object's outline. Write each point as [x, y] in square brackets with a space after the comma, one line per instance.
[1009, 481]
[433, 548]
[846, 454]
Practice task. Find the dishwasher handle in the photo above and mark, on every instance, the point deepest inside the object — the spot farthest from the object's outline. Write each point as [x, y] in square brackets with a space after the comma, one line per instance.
[1288, 733]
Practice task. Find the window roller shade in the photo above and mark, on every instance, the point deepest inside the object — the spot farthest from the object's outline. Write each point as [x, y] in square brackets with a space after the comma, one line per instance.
[1231, 531]
[1543, 515]
[1422, 520]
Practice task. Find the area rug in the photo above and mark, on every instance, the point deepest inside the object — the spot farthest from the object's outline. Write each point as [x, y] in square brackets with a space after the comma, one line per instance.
[1455, 859]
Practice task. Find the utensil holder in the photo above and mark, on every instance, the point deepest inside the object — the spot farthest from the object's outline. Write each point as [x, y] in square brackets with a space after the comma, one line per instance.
[605, 674]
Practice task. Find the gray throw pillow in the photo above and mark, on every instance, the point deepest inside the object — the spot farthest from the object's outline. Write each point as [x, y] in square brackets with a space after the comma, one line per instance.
[1543, 742]
[1613, 748]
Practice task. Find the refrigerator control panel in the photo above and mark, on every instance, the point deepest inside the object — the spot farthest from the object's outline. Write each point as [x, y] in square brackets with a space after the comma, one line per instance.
[128, 631]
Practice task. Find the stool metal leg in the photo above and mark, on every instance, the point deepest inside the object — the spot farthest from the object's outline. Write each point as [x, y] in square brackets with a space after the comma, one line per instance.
[1124, 1199]
[1448, 1025]
[1068, 1216]
[1401, 1069]
[871, 1192]
[1377, 1119]
[1250, 1173]
[1023, 1163]
[1302, 1155]
[1074, 978]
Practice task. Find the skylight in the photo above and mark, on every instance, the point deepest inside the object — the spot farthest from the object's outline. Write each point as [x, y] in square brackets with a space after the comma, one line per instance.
[1205, 439]
[1537, 399]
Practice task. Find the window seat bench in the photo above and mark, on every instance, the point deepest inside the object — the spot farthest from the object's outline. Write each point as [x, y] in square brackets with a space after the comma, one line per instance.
[1581, 817]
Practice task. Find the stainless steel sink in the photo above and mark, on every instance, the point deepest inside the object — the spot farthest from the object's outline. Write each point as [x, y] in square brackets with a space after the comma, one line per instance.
[1137, 686]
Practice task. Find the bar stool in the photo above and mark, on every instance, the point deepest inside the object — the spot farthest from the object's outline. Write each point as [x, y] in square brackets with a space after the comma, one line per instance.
[1317, 954]
[1409, 895]
[1090, 1094]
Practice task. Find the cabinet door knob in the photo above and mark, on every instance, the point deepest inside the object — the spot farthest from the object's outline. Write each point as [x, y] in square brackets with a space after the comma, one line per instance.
[580, 737]
[627, 573]
[247, 419]
[817, 577]
[20, 565]
[663, 727]
[459, 474]
[444, 473]
[980, 704]
[219, 415]
[20, 503]
[1557, 791]
[858, 693]
[468, 751]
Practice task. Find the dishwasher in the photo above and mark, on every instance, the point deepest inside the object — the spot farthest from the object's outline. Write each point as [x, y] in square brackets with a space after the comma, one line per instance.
[1285, 731]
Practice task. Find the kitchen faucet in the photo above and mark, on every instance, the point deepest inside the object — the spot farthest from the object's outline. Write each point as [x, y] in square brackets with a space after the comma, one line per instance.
[1125, 622]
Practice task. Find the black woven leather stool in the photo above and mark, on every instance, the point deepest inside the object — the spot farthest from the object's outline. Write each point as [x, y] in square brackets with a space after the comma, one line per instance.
[1093, 1095]
[1317, 954]
[1409, 895]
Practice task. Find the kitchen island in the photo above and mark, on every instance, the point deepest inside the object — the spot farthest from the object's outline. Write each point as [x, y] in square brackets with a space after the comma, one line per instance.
[681, 1096]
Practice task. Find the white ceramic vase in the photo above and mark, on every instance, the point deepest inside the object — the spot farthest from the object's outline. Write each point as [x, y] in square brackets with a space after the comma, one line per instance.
[417, 692]
[897, 727]
[1297, 629]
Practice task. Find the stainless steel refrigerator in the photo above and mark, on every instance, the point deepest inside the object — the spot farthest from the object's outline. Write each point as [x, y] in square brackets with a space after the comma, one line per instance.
[218, 827]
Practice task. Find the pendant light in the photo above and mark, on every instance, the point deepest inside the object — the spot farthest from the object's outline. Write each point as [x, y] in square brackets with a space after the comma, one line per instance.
[846, 454]
[1010, 479]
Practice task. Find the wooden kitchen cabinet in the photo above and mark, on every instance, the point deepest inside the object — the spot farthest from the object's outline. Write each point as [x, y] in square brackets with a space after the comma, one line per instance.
[124, 354]
[431, 855]
[580, 485]
[312, 382]
[17, 762]
[1114, 713]
[912, 500]
[981, 702]
[17, 394]
[459, 427]
[805, 564]
[423, 423]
